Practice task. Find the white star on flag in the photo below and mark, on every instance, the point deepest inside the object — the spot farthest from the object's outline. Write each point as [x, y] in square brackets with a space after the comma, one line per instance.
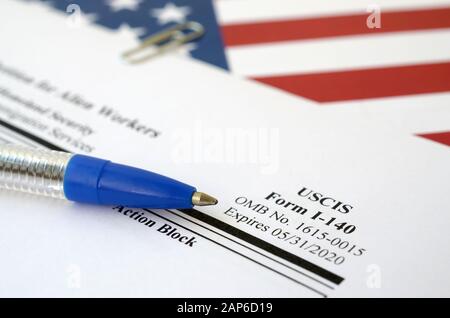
[171, 13]
[117, 5]
[129, 34]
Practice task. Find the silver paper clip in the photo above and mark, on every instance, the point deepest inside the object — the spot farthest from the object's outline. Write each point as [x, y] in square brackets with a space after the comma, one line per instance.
[164, 41]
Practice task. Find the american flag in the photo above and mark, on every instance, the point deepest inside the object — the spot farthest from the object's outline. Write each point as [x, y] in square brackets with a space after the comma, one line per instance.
[327, 51]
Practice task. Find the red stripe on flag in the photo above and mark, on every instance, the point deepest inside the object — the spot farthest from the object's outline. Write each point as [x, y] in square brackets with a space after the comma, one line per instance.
[441, 137]
[299, 29]
[367, 83]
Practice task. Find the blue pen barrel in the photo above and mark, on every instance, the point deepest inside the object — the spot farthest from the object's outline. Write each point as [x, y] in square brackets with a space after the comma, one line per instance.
[97, 181]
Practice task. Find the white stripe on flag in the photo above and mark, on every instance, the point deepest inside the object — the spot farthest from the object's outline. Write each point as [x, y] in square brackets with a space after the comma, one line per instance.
[424, 113]
[333, 54]
[241, 11]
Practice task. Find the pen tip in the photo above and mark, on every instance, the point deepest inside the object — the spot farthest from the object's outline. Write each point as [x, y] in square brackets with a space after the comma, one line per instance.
[202, 199]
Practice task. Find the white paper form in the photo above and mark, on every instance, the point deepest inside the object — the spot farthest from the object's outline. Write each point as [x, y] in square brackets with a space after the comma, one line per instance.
[311, 204]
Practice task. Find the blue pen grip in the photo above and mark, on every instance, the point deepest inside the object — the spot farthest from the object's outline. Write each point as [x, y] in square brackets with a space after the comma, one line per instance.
[97, 181]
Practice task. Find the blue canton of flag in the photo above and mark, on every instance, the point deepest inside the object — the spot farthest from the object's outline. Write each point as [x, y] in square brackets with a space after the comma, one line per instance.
[152, 16]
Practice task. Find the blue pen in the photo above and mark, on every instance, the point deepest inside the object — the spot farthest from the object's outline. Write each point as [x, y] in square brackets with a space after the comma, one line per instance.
[91, 180]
